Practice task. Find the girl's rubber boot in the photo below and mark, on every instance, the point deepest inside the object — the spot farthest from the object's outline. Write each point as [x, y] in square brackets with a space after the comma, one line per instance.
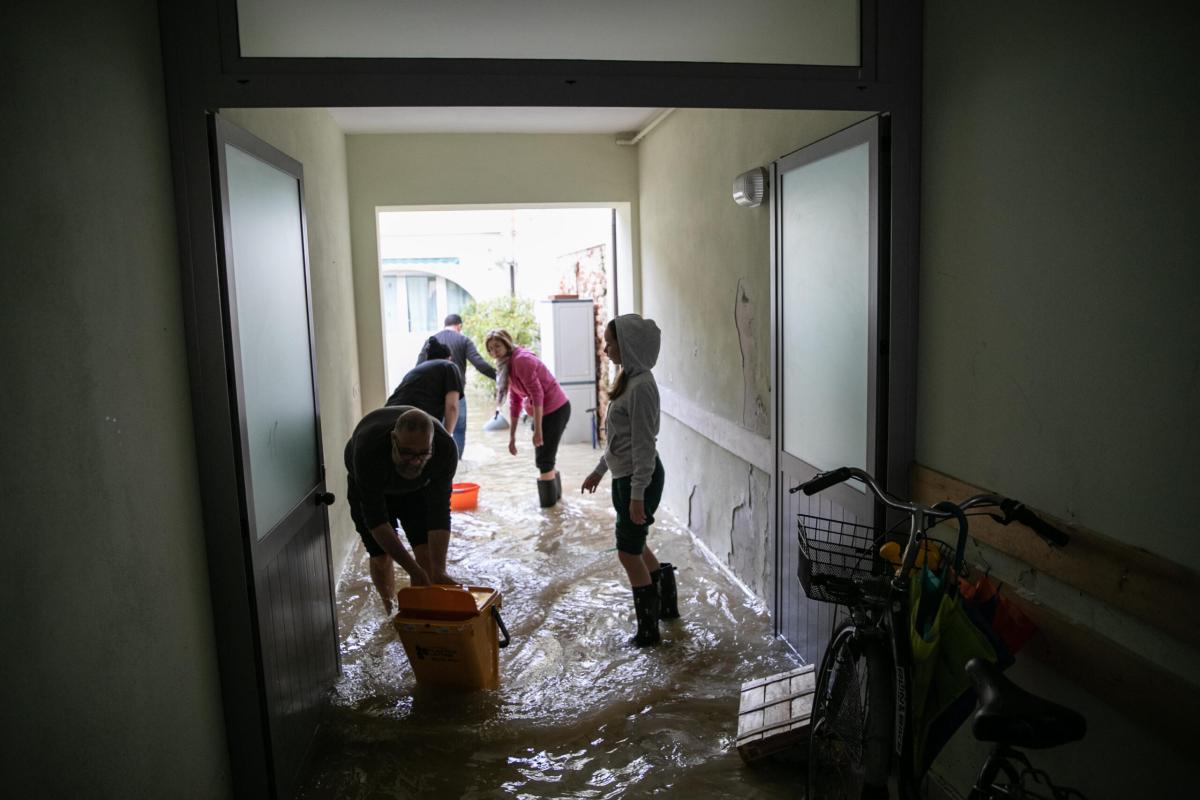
[558, 485]
[668, 595]
[645, 605]
[547, 495]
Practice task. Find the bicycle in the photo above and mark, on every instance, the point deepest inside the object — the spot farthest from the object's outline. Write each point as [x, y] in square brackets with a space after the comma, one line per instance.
[861, 740]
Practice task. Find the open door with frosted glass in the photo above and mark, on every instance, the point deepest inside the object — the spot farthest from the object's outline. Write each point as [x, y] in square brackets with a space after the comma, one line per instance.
[831, 308]
[288, 576]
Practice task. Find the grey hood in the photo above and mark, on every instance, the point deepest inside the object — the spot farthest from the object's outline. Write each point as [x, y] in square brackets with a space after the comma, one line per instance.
[639, 340]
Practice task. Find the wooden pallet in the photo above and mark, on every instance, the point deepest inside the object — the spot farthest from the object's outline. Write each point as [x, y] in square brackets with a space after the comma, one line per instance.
[775, 712]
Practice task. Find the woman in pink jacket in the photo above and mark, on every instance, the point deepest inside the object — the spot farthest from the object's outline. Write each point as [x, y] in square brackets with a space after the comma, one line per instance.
[530, 383]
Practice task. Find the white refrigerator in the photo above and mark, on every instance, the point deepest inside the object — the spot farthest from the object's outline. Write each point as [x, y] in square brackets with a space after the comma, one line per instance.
[568, 329]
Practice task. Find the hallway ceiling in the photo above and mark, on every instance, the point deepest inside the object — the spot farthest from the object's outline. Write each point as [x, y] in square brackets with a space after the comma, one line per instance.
[492, 120]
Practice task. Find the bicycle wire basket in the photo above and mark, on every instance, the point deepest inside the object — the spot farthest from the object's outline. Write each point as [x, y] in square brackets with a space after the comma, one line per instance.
[834, 555]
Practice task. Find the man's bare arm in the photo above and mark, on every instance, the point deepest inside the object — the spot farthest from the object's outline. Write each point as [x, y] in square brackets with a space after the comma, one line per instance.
[386, 537]
[451, 417]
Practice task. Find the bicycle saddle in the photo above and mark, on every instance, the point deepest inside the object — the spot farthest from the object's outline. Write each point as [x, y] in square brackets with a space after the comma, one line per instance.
[1010, 715]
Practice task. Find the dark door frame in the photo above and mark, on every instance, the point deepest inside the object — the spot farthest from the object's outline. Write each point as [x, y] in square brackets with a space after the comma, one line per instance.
[811, 627]
[205, 72]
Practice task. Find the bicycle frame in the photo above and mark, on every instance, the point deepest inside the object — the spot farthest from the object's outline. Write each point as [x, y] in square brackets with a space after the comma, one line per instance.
[885, 604]
[877, 601]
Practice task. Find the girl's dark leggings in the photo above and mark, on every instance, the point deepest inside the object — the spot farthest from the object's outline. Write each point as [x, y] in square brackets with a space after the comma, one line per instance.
[553, 425]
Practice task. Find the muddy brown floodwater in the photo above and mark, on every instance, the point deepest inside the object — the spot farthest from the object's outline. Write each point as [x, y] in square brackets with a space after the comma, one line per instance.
[579, 712]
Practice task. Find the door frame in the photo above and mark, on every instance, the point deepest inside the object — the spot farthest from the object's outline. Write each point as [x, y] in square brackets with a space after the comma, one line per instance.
[204, 72]
[891, 382]
[306, 521]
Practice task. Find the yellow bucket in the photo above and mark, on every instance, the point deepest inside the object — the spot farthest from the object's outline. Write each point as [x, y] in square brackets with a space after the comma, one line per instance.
[451, 635]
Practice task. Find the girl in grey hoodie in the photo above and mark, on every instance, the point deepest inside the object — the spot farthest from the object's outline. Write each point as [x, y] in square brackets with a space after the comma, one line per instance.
[631, 427]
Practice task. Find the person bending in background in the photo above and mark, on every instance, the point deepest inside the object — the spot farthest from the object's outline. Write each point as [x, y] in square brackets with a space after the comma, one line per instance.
[401, 464]
[632, 422]
[435, 386]
[531, 383]
[462, 350]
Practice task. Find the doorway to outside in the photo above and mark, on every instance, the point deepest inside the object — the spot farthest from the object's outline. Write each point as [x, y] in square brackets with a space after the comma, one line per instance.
[435, 261]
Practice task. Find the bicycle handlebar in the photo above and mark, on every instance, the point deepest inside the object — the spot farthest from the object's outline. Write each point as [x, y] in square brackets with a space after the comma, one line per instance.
[824, 480]
[1019, 512]
[1013, 510]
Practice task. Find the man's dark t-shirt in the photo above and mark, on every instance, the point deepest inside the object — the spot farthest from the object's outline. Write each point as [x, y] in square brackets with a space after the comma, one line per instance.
[426, 386]
[369, 461]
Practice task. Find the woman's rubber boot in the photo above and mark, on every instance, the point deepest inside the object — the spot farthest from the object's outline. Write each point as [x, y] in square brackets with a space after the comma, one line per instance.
[668, 595]
[558, 485]
[645, 604]
[547, 496]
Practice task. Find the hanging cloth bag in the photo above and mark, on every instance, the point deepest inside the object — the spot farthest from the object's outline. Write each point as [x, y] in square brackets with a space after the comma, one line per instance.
[943, 639]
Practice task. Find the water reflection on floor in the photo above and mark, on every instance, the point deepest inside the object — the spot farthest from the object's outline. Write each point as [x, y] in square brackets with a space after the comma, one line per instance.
[579, 713]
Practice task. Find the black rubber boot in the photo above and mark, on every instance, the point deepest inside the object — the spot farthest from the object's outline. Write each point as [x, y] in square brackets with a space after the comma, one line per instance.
[558, 484]
[645, 604]
[547, 496]
[668, 596]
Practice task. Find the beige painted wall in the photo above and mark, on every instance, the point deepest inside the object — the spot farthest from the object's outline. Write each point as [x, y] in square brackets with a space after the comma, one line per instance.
[702, 255]
[1059, 264]
[109, 677]
[386, 170]
[1059, 347]
[312, 137]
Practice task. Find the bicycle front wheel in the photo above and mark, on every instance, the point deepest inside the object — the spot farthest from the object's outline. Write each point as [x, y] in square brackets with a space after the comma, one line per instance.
[850, 740]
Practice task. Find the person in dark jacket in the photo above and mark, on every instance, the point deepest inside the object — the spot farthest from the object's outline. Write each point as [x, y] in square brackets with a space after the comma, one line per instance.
[400, 465]
[435, 386]
[462, 350]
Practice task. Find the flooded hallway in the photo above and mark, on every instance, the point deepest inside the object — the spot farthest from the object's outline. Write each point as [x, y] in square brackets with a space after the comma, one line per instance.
[1006, 305]
[580, 713]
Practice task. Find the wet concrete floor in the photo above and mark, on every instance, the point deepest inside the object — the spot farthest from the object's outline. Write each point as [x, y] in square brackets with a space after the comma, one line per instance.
[579, 712]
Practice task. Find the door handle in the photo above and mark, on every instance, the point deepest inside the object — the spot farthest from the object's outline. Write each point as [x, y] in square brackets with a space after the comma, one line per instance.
[324, 498]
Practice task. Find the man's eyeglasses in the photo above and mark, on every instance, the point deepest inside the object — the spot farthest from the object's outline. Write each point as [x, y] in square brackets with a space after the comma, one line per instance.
[411, 455]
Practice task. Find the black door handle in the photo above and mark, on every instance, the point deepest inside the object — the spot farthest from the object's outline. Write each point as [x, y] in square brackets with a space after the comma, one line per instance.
[325, 498]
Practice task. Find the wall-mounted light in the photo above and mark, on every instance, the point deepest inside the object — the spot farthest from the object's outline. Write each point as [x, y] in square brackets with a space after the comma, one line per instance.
[750, 188]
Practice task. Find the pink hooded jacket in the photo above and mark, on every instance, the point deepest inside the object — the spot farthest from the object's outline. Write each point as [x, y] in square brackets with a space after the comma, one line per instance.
[529, 380]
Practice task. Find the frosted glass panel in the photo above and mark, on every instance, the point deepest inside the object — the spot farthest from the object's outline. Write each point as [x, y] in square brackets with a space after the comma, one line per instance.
[271, 302]
[826, 287]
[749, 31]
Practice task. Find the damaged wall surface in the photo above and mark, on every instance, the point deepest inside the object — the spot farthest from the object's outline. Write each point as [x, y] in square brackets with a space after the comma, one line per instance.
[706, 267]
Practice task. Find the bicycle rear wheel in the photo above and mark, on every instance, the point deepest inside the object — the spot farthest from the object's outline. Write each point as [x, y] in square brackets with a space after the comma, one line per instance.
[850, 741]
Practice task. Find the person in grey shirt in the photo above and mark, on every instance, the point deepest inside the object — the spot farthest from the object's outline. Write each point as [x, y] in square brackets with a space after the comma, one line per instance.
[637, 484]
[462, 350]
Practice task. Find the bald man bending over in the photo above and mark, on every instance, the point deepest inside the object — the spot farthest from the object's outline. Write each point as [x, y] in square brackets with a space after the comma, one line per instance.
[401, 465]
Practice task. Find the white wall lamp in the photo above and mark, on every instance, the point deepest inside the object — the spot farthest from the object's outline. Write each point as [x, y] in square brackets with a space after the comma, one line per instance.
[750, 188]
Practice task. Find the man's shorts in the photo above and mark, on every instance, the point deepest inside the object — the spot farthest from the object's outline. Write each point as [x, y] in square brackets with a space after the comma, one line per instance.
[410, 509]
[631, 538]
